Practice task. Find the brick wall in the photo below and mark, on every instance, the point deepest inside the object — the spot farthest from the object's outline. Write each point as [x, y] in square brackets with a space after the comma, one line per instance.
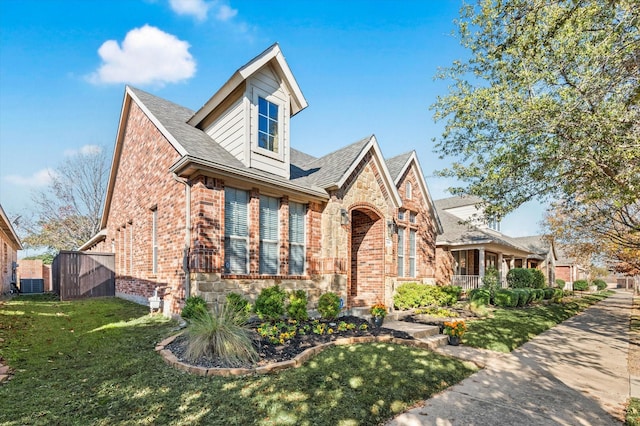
[142, 184]
[444, 266]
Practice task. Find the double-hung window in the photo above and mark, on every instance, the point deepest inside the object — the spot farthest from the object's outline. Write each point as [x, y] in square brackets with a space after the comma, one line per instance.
[401, 252]
[269, 253]
[267, 125]
[154, 241]
[297, 213]
[412, 253]
[236, 231]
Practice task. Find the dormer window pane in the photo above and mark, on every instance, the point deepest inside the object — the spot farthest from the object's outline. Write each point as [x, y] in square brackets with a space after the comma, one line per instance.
[267, 125]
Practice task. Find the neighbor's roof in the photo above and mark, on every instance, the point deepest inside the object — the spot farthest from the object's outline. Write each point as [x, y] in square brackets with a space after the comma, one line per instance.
[7, 228]
[457, 201]
[537, 244]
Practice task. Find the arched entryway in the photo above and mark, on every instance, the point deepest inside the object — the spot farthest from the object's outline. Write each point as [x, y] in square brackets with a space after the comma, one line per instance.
[366, 277]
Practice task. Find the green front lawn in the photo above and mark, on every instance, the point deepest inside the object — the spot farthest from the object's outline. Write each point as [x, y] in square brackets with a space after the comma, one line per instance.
[93, 362]
[508, 328]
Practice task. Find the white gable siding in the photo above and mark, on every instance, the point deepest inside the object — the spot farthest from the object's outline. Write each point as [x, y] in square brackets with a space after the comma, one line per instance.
[229, 130]
[468, 213]
[266, 84]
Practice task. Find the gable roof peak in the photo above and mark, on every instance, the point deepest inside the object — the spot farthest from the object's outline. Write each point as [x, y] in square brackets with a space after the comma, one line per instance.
[272, 55]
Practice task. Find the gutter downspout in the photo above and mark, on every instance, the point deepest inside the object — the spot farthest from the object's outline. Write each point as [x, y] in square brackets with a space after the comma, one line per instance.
[187, 241]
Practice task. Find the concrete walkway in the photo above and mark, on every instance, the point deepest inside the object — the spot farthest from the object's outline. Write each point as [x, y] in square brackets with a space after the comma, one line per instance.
[574, 374]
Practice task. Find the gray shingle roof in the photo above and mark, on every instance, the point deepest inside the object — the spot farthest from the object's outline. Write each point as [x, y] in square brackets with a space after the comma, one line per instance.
[328, 170]
[395, 164]
[534, 243]
[457, 201]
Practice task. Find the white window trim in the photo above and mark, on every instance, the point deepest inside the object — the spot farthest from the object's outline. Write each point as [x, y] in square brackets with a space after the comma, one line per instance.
[412, 248]
[408, 190]
[237, 237]
[154, 241]
[269, 241]
[259, 93]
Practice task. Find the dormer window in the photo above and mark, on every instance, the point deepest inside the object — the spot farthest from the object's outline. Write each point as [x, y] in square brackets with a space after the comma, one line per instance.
[267, 125]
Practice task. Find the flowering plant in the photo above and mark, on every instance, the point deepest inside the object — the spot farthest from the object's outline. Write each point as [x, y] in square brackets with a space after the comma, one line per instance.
[379, 310]
[455, 328]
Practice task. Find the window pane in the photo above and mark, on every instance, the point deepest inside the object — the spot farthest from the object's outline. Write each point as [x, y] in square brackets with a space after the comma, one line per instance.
[401, 252]
[269, 259]
[273, 111]
[236, 230]
[296, 259]
[262, 106]
[297, 238]
[263, 124]
[412, 253]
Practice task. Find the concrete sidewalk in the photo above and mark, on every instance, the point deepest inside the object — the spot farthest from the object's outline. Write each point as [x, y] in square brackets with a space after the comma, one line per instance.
[574, 374]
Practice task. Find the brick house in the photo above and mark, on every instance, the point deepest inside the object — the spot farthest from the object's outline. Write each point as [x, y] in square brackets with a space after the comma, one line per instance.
[9, 246]
[471, 243]
[217, 200]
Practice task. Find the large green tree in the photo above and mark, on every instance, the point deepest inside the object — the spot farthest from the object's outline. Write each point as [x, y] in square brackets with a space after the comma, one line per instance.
[67, 212]
[547, 105]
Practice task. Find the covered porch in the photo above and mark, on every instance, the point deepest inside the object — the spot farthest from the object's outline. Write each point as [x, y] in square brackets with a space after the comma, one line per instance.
[470, 263]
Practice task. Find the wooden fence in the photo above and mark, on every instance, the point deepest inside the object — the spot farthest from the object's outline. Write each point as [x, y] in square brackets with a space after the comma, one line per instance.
[78, 275]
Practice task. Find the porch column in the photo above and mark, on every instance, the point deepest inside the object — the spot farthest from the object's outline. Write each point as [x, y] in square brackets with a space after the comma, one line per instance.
[482, 266]
[500, 267]
[512, 263]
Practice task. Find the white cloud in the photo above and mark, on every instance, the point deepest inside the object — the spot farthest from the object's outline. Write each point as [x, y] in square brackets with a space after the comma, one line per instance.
[196, 8]
[148, 55]
[225, 12]
[84, 150]
[40, 178]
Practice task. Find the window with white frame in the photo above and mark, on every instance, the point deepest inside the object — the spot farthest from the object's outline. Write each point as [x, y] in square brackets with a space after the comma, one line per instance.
[267, 125]
[269, 224]
[401, 252]
[297, 214]
[412, 253]
[236, 231]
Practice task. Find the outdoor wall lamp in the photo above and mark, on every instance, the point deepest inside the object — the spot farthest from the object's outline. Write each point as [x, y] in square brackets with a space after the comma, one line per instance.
[344, 217]
[392, 227]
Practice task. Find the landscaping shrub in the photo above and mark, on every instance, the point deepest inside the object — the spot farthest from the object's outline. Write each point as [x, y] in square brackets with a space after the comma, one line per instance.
[414, 295]
[519, 278]
[549, 292]
[193, 306]
[557, 295]
[560, 283]
[491, 282]
[567, 292]
[538, 294]
[329, 305]
[537, 278]
[580, 285]
[524, 296]
[450, 294]
[239, 304]
[270, 303]
[479, 296]
[297, 307]
[601, 284]
[506, 298]
[220, 333]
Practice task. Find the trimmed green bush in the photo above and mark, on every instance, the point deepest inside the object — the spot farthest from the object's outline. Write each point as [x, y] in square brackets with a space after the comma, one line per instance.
[580, 285]
[479, 296]
[297, 307]
[329, 305]
[558, 294]
[549, 292]
[506, 298]
[601, 284]
[537, 278]
[414, 295]
[523, 296]
[491, 282]
[240, 305]
[270, 303]
[560, 283]
[193, 306]
[519, 278]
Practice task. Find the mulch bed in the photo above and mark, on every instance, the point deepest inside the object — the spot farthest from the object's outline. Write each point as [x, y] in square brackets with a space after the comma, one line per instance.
[272, 353]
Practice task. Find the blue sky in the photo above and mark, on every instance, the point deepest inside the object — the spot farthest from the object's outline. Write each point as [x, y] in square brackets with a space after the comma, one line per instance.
[364, 67]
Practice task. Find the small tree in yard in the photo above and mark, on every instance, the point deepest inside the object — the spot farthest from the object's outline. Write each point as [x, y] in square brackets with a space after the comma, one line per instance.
[491, 282]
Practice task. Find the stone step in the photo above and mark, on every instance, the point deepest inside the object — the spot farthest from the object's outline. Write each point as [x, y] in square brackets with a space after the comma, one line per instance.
[436, 341]
[416, 330]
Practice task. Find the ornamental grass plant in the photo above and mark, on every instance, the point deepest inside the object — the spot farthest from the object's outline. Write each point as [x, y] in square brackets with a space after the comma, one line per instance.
[220, 333]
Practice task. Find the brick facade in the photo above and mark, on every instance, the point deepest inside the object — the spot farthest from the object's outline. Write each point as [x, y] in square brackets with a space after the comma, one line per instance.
[35, 269]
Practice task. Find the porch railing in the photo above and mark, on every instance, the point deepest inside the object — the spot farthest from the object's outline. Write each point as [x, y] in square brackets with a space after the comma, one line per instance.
[469, 282]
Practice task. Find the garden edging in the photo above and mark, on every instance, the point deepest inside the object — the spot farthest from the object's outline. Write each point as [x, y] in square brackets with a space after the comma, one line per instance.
[296, 362]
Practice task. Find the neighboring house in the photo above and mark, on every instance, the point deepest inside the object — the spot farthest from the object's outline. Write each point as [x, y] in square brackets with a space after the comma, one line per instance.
[9, 246]
[217, 200]
[470, 244]
[568, 269]
[35, 270]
